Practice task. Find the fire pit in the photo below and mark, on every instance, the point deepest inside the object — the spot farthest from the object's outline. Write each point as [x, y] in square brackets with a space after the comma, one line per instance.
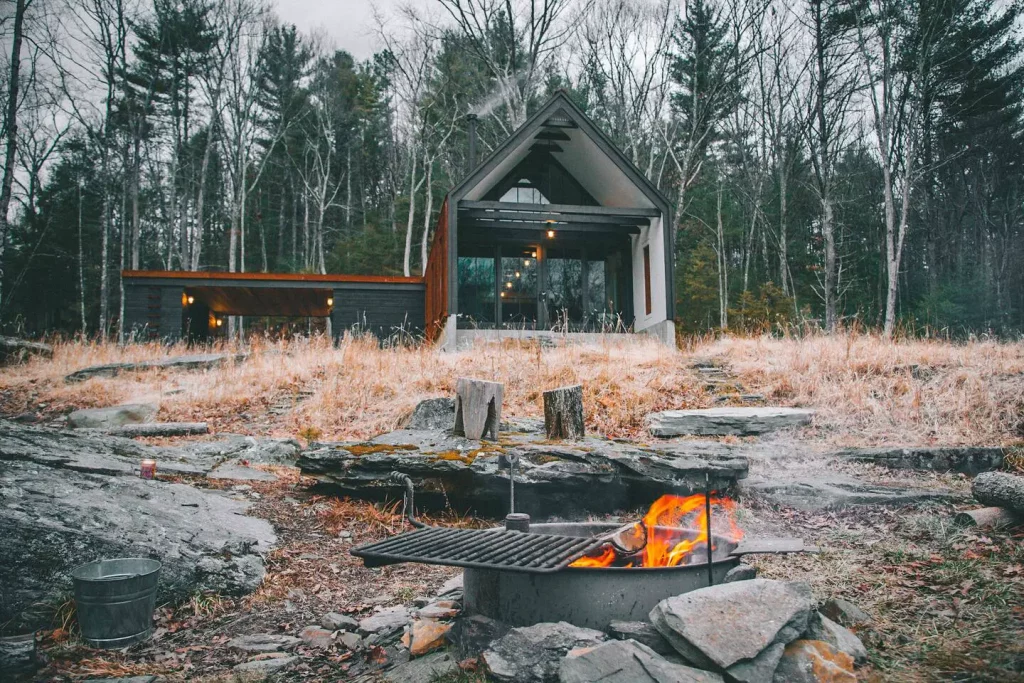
[585, 573]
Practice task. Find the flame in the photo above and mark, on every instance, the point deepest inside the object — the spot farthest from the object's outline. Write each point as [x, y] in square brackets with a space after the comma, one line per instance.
[664, 548]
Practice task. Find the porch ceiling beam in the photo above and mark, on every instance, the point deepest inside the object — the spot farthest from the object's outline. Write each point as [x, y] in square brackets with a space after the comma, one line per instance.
[547, 215]
[563, 208]
[540, 228]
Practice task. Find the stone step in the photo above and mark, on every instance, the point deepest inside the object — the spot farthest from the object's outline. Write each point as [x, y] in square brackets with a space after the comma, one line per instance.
[726, 421]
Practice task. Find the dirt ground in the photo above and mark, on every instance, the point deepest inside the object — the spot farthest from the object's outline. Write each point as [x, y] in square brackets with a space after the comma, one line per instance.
[947, 603]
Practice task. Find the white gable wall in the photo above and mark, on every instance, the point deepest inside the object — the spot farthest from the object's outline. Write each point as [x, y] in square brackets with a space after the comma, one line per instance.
[653, 237]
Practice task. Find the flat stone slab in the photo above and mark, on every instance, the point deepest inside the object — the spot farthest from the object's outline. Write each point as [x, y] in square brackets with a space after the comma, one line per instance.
[191, 362]
[71, 497]
[965, 459]
[237, 471]
[593, 475]
[835, 491]
[627, 661]
[534, 653]
[726, 421]
[112, 416]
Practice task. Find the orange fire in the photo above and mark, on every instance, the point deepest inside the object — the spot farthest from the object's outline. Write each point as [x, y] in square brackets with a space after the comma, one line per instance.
[664, 547]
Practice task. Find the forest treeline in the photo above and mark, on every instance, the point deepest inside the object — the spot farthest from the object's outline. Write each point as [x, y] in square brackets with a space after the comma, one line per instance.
[831, 162]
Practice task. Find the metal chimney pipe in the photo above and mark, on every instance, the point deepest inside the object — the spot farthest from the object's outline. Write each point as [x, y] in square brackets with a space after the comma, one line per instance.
[471, 120]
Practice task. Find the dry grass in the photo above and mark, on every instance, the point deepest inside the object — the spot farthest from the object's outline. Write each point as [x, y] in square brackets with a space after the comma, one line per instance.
[867, 390]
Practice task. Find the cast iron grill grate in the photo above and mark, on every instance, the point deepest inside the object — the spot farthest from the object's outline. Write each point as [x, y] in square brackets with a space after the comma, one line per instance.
[478, 548]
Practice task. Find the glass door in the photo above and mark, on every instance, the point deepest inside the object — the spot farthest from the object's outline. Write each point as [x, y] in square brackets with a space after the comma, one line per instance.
[519, 287]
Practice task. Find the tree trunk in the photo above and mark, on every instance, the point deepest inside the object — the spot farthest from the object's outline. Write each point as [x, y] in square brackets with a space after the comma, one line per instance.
[428, 209]
[81, 261]
[11, 128]
[412, 214]
[828, 233]
[563, 413]
[478, 408]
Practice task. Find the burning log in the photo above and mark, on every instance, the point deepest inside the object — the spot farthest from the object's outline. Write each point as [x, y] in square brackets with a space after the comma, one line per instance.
[988, 518]
[1000, 489]
[160, 429]
[478, 408]
[563, 413]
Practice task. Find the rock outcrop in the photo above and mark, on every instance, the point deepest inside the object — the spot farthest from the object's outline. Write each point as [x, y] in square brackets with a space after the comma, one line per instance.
[726, 421]
[965, 459]
[833, 491]
[73, 497]
[200, 361]
[591, 475]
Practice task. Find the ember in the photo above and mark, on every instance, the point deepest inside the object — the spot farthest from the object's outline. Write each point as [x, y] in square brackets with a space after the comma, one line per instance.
[666, 547]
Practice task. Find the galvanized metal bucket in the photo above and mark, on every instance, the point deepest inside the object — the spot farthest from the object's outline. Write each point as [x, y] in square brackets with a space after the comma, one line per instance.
[115, 600]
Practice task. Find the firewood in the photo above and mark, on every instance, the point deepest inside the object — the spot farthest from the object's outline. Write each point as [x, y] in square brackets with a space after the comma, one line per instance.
[160, 429]
[1000, 489]
[988, 518]
[563, 412]
[478, 408]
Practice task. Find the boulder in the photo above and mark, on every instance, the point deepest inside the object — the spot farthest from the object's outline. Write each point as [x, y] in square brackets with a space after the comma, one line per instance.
[741, 572]
[432, 414]
[335, 621]
[14, 350]
[385, 621]
[113, 416]
[726, 421]
[594, 475]
[627, 661]
[642, 632]
[965, 459]
[841, 638]
[835, 491]
[845, 613]
[814, 661]
[534, 653]
[434, 667]
[761, 614]
[199, 361]
[1000, 489]
[73, 497]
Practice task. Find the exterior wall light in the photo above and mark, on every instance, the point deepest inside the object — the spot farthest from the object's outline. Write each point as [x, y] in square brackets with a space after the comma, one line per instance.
[191, 300]
[220, 321]
[330, 301]
[551, 234]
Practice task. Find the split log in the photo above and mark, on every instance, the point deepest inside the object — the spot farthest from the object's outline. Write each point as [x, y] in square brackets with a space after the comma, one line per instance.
[1000, 489]
[988, 518]
[563, 413]
[478, 408]
[160, 429]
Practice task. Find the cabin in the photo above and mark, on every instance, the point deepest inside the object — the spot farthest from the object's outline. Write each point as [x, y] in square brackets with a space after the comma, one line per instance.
[555, 232]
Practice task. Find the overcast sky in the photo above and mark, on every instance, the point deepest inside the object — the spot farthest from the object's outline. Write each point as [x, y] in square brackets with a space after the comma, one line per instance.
[348, 23]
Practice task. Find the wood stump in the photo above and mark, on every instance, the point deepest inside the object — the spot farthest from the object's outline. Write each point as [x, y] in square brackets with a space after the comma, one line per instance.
[563, 413]
[478, 408]
[988, 518]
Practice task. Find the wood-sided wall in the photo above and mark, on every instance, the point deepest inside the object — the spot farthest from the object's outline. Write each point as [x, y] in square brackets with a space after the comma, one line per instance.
[436, 278]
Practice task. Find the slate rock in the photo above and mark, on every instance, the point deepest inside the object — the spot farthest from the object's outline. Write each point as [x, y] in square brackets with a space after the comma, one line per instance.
[1000, 489]
[317, 637]
[350, 640]
[814, 661]
[266, 666]
[964, 459]
[112, 416]
[593, 475]
[263, 642]
[845, 613]
[238, 472]
[534, 653]
[836, 491]
[385, 621]
[642, 632]
[441, 609]
[428, 669]
[474, 634]
[728, 626]
[452, 585]
[129, 679]
[627, 661]
[73, 496]
[841, 638]
[726, 421]
[741, 572]
[432, 414]
[425, 635]
[335, 621]
[199, 361]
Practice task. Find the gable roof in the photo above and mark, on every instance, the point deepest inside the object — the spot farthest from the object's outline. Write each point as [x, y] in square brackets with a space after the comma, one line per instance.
[560, 106]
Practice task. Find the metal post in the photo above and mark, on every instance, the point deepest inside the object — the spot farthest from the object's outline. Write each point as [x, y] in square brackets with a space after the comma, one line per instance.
[471, 120]
[707, 516]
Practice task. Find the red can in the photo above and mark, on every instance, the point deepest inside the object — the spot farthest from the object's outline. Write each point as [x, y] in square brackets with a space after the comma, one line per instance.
[147, 469]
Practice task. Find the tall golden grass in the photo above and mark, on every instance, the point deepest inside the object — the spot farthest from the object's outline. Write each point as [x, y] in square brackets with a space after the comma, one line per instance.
[867, 390]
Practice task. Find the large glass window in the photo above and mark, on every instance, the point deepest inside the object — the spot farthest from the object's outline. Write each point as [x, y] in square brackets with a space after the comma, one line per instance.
[564, 290]
[519, 280]
[476, 290]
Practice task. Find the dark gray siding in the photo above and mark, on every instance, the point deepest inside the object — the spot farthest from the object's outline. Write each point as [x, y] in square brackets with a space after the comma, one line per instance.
[152, 312]
[386, 310]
